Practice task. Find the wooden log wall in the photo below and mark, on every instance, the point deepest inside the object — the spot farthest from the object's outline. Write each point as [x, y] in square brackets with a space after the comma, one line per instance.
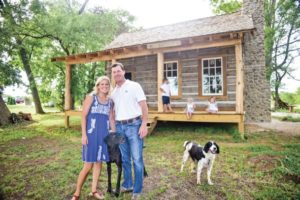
[144, 71]
[189, 61]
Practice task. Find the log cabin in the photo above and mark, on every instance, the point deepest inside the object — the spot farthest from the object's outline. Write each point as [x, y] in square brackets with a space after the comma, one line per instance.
[221, 56]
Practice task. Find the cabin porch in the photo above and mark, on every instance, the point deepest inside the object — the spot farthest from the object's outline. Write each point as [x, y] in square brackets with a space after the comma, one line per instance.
[146, 63]
[199, 116]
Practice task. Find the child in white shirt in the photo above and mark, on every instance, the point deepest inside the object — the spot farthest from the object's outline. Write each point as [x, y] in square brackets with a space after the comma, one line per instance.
[190, 108]
[212, 105]
[166, 93]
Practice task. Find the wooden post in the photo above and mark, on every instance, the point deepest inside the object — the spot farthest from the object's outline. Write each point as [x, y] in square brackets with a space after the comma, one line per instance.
[68, 100]
[239, 108]
[112, 80]
[67, 121]
[160, 72]
[68, 88]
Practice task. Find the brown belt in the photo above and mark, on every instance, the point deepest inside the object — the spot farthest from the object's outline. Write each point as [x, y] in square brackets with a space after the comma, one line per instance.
[128, 121]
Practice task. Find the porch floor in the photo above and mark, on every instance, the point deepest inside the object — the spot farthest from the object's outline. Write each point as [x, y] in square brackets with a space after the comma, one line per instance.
[198, 116]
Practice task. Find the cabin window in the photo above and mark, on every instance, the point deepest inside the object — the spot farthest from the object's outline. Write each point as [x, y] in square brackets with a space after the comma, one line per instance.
[171, 73]
[212, 76]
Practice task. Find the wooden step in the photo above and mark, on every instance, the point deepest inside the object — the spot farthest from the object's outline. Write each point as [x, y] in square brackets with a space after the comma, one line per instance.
[151, 124]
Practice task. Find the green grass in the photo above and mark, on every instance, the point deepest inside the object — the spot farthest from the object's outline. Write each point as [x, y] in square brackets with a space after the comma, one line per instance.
[289, 119]
[28, 109]
[42, 159]
[296, 109]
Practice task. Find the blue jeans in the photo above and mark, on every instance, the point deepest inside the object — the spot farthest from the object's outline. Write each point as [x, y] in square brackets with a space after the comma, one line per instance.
[132, 148]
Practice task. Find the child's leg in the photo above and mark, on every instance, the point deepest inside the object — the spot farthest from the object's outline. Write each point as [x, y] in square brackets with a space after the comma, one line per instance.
[165, 108]
[169, 107]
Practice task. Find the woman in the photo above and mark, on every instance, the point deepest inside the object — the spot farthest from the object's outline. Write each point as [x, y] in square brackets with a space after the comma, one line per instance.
[96, 117]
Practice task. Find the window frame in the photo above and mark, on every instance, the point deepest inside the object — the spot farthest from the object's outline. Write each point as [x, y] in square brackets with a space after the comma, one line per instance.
[222, 96]
[178, 76]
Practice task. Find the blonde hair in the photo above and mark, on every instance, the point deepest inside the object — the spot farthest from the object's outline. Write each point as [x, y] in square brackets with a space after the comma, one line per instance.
[100, 79]
[212, 97]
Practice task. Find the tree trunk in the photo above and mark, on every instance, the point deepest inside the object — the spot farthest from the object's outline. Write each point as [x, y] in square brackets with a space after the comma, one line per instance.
[35, 95]
[5, 113]
[92, 79]
[279, 104]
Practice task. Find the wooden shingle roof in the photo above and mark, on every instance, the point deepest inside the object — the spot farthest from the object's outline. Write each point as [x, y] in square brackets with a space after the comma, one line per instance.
[200, 27]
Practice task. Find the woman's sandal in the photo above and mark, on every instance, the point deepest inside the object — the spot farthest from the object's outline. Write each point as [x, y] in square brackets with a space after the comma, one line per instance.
[75, 197]
[97, 195]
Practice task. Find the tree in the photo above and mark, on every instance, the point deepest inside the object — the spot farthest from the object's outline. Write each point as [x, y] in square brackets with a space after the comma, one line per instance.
[282, 38]
[282, 43]
[69, 29]
[15, 19]
[38, 30]
[8, 76]
[225, 6]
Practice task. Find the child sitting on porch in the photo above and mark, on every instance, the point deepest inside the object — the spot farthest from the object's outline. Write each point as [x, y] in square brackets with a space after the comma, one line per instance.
[190, 108]
[166, 93]
[212, 105]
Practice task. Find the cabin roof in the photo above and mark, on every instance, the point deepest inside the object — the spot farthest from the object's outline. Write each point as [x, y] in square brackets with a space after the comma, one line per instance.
[200, 27]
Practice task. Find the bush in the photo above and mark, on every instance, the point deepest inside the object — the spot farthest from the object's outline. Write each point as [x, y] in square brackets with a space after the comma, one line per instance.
[11, 100]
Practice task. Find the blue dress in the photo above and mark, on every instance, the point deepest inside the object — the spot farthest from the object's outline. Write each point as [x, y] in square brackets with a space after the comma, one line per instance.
[97, 127]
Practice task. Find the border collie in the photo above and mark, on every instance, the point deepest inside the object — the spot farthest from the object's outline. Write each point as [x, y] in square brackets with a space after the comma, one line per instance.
[203, 157]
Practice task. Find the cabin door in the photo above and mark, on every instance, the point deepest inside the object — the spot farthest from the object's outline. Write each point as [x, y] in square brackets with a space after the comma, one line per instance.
[128, 75]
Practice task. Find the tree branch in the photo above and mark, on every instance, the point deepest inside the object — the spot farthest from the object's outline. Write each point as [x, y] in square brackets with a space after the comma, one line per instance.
[293, 77]
[295, 41]
[60, 68]
[83, 7]
[38, 36]
[287, 46]
[287, 50]
[284, 52]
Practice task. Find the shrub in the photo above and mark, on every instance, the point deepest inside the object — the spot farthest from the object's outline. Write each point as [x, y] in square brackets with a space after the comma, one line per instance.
[11, 100]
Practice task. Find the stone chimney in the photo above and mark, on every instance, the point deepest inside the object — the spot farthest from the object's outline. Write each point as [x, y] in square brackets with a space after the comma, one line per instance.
[257, 93]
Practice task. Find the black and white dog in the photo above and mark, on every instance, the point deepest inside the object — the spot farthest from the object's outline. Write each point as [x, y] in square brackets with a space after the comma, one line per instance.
[202, 157]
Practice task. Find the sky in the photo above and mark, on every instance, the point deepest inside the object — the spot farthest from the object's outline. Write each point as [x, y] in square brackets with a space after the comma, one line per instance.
[162, 12]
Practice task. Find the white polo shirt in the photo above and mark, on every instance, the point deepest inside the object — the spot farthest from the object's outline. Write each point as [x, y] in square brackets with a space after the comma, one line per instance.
[126, 100]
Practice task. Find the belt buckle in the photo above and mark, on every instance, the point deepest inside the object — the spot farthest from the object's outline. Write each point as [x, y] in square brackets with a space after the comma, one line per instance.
[129, 120]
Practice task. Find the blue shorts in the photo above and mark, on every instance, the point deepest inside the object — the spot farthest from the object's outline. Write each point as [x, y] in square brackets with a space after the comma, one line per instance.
[165, 100]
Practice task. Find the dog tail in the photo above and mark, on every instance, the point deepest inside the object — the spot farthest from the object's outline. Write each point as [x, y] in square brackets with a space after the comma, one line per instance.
[186, 143]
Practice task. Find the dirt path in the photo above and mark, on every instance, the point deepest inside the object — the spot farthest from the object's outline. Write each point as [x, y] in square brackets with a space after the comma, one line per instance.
[290, 128]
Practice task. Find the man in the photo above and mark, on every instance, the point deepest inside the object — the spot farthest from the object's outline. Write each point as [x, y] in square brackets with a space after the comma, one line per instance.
[131, 115]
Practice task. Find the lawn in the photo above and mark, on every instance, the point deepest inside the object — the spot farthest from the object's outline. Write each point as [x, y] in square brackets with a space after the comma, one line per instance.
[28, 109]
[41, 160]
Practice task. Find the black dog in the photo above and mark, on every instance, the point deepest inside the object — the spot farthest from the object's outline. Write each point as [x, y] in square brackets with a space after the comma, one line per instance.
[113, 140]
